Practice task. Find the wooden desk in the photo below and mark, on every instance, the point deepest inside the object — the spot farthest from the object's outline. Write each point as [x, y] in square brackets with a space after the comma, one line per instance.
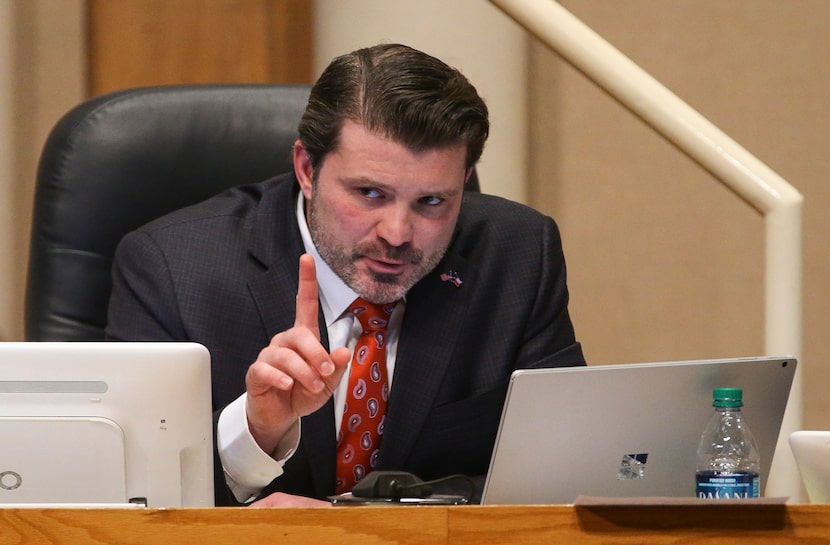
[457, 525]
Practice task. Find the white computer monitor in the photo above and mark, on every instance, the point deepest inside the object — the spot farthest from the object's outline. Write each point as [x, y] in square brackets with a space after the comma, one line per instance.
[106, 423]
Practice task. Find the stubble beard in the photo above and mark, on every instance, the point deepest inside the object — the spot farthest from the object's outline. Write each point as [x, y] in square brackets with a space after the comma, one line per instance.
[375, 287]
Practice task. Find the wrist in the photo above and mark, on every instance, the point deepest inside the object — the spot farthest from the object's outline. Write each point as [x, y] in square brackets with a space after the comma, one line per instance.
[269, 436]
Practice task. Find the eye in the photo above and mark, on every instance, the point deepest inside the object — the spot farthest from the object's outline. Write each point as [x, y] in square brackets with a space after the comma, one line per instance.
[431, 200]
[370, 192]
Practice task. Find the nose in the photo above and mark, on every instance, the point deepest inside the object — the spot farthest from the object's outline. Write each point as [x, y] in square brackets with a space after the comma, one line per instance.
[395, 226]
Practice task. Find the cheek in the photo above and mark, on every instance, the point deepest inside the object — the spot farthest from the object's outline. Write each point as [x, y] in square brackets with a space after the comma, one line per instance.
[346, 221]
[434, 235]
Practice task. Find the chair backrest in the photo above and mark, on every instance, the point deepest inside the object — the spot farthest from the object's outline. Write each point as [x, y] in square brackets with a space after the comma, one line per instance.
[120, 160]
[117, 161]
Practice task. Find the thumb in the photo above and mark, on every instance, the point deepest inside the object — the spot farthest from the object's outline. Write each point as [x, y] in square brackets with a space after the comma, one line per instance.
[340, 357]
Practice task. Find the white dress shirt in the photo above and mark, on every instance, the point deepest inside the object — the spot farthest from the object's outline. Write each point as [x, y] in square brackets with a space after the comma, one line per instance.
[248, 469]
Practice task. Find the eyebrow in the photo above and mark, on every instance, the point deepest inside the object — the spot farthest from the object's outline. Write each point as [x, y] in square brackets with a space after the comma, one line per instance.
[368, 182]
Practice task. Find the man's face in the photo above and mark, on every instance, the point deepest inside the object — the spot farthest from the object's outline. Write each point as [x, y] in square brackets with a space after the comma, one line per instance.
[381, 215]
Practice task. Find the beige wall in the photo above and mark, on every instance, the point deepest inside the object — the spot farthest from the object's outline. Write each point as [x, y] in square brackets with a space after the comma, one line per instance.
[43, 73]
[664, 262]
[6, 172]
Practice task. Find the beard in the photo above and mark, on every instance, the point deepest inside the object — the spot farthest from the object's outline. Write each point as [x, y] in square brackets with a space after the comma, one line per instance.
[378, 288]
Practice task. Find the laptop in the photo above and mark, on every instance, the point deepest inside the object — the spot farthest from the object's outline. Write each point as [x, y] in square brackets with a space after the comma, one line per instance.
[628, 430]
[106, 424]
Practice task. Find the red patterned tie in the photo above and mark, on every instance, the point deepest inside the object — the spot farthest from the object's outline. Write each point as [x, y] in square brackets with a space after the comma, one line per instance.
[362, 426]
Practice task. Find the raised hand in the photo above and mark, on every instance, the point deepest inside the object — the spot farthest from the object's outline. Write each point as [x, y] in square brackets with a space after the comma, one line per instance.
[294, 375]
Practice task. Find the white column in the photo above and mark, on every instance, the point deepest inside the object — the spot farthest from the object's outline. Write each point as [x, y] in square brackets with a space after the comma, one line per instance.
[471, 35]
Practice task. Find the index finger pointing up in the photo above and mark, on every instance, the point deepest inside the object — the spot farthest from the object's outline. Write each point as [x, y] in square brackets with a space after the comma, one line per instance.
[307, 304]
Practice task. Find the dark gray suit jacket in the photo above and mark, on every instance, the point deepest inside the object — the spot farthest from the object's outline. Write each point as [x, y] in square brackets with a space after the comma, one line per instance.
[224, 273]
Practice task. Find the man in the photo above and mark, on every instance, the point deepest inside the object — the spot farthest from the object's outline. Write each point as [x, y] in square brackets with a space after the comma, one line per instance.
[265, 277]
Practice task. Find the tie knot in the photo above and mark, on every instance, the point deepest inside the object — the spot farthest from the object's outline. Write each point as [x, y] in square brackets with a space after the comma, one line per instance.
[372, 317]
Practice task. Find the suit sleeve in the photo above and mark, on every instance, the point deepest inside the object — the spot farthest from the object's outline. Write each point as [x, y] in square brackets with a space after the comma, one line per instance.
[550, 340]
[143, 303]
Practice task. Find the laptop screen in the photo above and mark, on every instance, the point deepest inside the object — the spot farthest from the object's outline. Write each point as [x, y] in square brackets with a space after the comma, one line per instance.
[624, 430]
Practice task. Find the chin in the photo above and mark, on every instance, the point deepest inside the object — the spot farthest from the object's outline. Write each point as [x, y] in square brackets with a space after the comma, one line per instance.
[380, 291]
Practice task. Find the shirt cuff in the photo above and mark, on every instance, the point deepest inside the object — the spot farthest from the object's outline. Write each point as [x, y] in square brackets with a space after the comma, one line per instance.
[248, 469]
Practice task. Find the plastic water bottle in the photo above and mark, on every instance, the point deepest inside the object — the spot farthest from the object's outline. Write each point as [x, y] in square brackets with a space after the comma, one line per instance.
[728, 463]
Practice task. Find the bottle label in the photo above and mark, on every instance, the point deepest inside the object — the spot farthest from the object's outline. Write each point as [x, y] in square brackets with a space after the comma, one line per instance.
[715, 485]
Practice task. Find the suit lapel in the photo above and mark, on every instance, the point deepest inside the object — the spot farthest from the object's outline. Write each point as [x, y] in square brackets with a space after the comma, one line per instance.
[276, 243]
[435, 310]
[320, 445]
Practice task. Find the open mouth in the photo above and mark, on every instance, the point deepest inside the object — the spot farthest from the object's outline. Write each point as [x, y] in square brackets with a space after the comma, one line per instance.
[383, 266]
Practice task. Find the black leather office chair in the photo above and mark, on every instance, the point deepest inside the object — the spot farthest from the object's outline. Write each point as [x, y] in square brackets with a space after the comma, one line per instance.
[120, 160]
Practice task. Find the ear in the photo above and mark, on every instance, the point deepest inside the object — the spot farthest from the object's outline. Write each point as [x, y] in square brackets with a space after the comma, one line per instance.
[468, 174]
[303, 169]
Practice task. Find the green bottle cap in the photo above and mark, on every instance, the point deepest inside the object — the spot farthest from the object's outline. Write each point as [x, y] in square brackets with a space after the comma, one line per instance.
[728, 397]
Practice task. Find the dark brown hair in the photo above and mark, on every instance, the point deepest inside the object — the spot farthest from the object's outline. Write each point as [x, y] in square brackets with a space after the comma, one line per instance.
[399, 93]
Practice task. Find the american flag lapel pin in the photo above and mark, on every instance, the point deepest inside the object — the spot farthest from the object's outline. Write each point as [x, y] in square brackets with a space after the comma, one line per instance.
[452, 277]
